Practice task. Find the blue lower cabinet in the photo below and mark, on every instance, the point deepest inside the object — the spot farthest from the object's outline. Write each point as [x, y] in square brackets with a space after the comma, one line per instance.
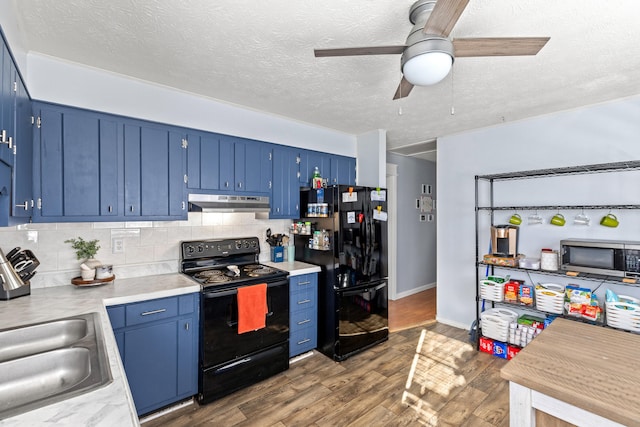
[158, 345]
[303, 313]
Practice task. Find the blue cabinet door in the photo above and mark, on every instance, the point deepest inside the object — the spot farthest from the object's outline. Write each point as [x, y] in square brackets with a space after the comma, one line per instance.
[151, 361]
[22, 206]
[203, 159]
[309, 160]
[343, 170]
[154, 172]
[7, 96]
[286, 189]
[132, 150]
[226, 165]
[266, 168]
[48, 151]
[110, 168]
[239, 169]
[81, 165]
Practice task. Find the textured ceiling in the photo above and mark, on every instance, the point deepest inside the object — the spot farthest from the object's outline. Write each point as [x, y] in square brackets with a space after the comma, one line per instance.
[259, 54]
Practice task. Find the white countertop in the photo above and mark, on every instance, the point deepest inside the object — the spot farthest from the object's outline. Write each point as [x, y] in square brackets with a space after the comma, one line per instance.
[111, 405]
[295, 268]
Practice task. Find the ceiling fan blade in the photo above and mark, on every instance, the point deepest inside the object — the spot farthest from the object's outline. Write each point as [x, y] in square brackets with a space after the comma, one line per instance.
[444, 16]
[404, 88]
[350, 51]
[498, 46]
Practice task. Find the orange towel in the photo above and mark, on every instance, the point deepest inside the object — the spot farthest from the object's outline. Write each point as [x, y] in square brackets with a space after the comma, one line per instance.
[252, 307]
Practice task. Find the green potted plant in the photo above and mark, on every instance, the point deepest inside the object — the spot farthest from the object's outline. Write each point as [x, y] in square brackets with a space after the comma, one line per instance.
[86, 250]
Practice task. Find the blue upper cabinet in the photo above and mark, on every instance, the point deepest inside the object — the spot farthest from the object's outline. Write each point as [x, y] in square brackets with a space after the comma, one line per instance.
[154, 172]
[8, 78]
[23, 203]
[309, 160]
[203, 158]
[77, 162]
[223, 163]
[99, 167]
[343, 170]
[285, 200]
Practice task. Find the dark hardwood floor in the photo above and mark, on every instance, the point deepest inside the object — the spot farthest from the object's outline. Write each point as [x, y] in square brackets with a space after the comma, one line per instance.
[422, 376]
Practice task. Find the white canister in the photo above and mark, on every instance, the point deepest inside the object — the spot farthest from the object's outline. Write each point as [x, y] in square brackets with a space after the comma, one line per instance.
[549, 260]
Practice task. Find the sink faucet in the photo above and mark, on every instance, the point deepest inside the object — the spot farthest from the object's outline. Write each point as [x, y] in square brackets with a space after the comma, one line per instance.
[10, 279]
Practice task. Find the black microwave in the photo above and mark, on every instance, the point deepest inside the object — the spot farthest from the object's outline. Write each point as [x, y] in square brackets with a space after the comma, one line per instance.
[607, 257]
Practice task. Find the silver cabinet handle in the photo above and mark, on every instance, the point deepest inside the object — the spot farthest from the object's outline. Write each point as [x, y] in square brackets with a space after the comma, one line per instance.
[186, 326]
[226, 184]
[3, 136]
[302, 322]
[110, 209]
[304, 283]
[147, 313]
[25, 205]
[305, 301]
[304, 341]
[131, 208]
[239, 185]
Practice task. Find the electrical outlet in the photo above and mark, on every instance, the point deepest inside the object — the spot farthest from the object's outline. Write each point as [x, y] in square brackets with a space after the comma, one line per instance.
[117, 246]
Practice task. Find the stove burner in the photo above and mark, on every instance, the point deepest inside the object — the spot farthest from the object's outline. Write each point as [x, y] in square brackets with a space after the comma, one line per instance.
[208, 273]
[217, 279]
[258, 270]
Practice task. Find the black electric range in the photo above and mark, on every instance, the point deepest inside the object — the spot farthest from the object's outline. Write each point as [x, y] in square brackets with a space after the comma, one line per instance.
[230, 360]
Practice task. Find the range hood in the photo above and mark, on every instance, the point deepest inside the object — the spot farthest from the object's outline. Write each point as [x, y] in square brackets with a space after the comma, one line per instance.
[228, 203]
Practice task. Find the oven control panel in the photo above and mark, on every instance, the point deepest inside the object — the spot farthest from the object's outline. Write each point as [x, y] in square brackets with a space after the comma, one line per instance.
[219, 247]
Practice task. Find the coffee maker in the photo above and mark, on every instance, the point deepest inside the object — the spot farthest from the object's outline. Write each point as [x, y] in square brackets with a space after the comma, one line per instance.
[504, 240]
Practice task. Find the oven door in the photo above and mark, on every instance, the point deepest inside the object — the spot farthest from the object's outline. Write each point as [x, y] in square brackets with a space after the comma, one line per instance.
[363, 320]
[221, 342]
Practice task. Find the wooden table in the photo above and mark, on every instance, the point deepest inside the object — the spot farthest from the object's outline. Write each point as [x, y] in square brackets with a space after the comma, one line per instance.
[582, 374]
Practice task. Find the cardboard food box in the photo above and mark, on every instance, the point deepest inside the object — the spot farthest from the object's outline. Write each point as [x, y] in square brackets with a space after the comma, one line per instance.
[512, 351]
[486, 345]
[526, 294]
[504, 261]
[511, 291]
[500, 349]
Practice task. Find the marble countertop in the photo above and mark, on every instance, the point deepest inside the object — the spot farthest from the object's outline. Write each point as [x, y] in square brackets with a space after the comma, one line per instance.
[295, 268]
[111, 405]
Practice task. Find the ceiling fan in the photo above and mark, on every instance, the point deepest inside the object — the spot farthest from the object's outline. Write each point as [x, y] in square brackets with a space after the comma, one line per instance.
[428, 53]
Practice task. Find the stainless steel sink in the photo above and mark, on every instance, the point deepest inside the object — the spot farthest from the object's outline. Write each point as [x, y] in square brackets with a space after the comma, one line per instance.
[49, 362]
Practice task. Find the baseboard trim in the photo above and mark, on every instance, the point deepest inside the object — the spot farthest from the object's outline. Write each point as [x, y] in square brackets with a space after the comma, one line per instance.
[452, 323]
[415, 290]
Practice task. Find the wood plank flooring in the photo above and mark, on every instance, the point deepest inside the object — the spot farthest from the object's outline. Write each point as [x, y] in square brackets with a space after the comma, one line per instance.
[422, 376]
[415, 310]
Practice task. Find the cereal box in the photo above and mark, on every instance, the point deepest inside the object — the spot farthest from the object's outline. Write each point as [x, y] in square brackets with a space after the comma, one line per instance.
[525, 294]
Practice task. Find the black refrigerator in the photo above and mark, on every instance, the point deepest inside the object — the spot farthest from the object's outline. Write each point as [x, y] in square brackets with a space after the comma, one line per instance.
[348, 240]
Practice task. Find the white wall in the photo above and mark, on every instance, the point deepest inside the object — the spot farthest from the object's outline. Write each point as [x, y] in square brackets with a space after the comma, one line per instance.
[416, 241]
[372, 158]
[597, 134]
[51, 79]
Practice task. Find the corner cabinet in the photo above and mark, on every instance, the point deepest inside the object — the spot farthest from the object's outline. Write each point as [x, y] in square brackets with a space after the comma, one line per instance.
[303, 313]
[158, 345]
[485, 201]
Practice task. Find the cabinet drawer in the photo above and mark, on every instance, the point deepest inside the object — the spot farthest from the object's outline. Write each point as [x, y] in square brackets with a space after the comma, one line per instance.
[302, 300]
[303, 319]
[303, 281]
[150, 311]
[303, 340]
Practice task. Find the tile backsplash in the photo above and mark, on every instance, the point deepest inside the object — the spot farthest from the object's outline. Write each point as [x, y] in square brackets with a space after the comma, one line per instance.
[149, 247]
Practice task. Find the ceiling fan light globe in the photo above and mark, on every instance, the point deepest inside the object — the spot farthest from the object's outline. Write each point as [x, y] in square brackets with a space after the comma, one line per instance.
[428, 68]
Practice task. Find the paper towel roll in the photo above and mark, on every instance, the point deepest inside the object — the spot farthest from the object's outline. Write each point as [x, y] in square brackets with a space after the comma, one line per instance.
[549, 260]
